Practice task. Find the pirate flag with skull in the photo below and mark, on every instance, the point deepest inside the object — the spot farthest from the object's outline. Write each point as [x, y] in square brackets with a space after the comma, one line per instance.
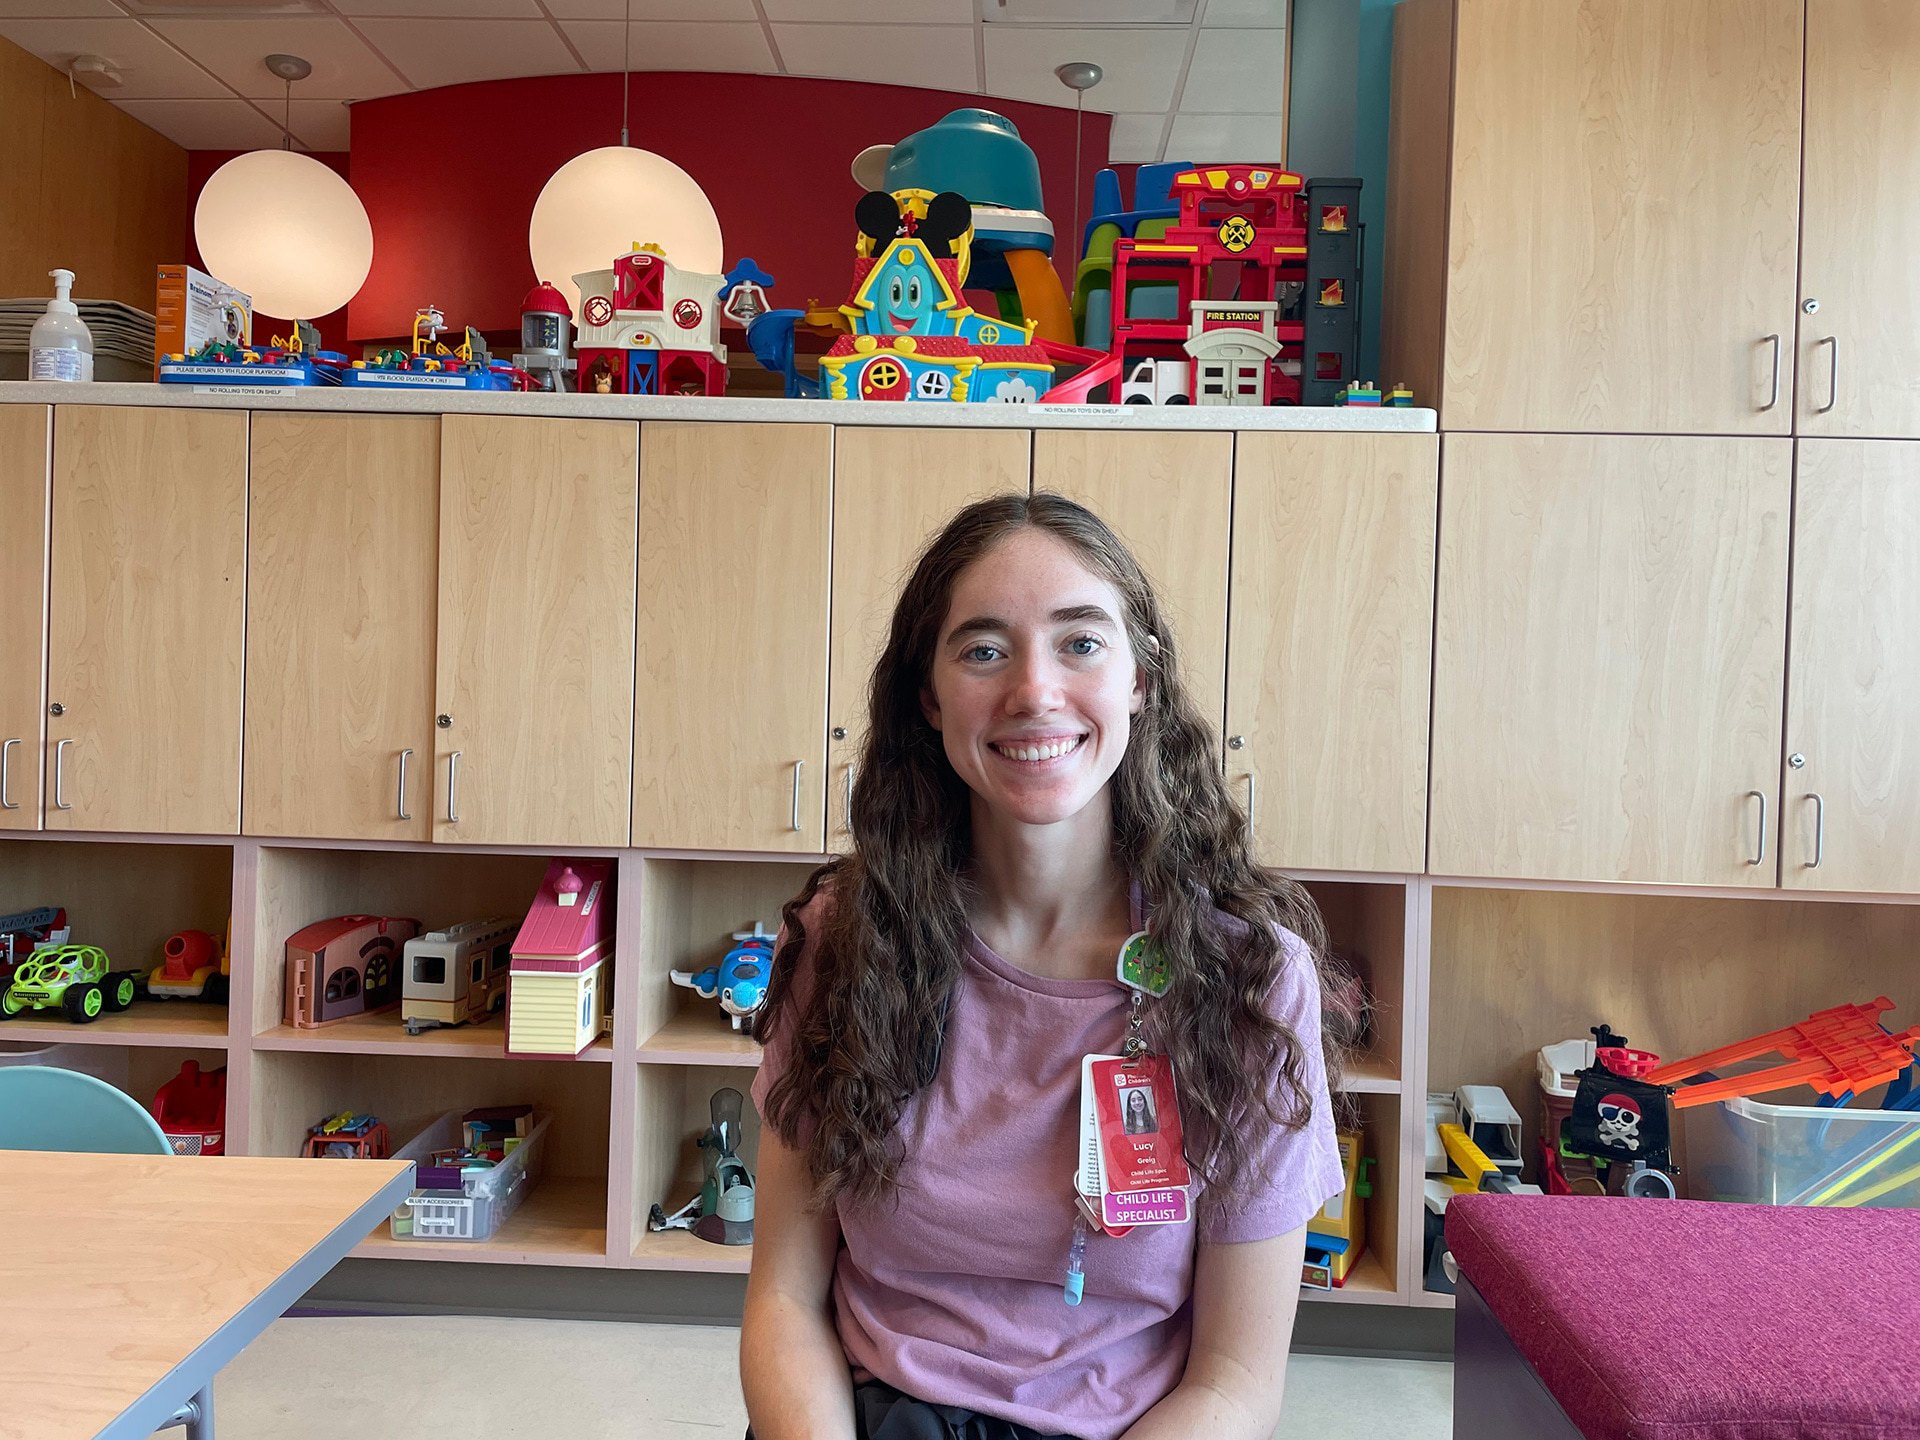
[1616, 1118]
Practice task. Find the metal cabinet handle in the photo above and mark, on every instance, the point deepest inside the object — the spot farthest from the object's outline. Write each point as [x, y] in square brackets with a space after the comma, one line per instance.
[400, 802]
[798, 766]
[453, 780]
[1760, 843]
[1833, 373]
[60, 775]
[1250, 793]
[6, 771]
[1773, 398]
[849, 819]
[1819, 829]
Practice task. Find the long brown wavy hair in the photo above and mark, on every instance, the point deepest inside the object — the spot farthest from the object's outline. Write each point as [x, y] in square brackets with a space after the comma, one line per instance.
[866, 1038]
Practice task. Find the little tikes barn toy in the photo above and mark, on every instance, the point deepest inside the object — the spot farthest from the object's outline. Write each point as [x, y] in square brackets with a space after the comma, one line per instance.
[560, 987]
[192, 1109]
[73, 978]
[456, 975]
[739, 981]
[343, 967]
[647, 327]
[546, 338]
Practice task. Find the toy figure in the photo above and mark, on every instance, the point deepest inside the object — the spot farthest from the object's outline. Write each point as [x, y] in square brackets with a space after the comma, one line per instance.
[739, 981]
[723, 1210]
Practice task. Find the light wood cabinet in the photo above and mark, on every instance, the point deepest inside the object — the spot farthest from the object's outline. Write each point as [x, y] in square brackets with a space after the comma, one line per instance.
[26, 441]
[893, 489]
[1621, 220]
[343, 517]
[1853, 670]
[1860, 350]
[534, 658]
[1168, 495]
[1330, 631]
[1609, 658]
[146, 619]
[730, 692]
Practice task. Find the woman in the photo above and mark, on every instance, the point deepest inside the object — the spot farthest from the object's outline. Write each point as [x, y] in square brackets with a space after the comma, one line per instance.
[1139, 1114]
[1035, 787]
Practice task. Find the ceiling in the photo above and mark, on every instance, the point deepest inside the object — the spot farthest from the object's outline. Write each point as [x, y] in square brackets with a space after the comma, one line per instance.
[1184, 79]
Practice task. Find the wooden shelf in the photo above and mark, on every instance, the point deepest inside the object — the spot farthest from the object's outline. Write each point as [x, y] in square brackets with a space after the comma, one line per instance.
[384, 1035]
[1370, 1075]
[563, 1222]
[1367, 1285]
[187, 1025]
[683, 1250]
[699, 1037]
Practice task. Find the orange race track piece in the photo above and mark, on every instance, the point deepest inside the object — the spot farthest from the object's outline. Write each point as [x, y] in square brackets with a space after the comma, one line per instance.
[1835, 1051]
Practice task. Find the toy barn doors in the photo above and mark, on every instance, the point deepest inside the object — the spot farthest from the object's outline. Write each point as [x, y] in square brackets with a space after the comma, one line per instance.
[342, 554]
[730, 691]
[533, 696]
[893, 490]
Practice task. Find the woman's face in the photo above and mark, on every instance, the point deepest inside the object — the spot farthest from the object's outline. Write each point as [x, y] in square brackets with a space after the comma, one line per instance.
[1136, 1106]
[1033, 684]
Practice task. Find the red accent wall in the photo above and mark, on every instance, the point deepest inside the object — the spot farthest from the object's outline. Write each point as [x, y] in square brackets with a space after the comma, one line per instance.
[449, 177]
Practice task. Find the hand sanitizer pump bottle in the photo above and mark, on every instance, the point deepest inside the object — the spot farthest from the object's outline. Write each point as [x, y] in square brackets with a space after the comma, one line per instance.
[61, 346]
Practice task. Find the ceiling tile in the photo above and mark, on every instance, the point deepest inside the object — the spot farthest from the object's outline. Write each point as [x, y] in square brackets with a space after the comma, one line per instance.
[1264, 14]
[236, 50]
[651, 9]
[150, 68]
[674, 45]
[1237, 71]
[448, 9]
[935, 57]
[321, 124]
[1227, 139]
[1135, 139]
[206, 124]
[58, 9]
[865, 12]
[1141, 65]
[432, 53]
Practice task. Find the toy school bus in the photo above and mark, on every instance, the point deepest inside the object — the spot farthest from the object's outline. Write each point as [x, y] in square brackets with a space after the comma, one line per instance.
[452, 976]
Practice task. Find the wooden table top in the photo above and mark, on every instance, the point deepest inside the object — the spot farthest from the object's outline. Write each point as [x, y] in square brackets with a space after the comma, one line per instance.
[117, 1270]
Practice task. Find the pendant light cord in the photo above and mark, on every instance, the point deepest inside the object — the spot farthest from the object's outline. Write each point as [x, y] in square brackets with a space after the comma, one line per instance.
[286, 120]
[1073, 236]
[626, 69]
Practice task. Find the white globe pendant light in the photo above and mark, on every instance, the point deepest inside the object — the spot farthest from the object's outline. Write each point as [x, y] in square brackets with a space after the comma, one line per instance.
[283, 227]
[600, 204]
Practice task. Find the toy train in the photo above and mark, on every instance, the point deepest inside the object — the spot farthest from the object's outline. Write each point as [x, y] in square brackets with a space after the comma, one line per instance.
[457, 975]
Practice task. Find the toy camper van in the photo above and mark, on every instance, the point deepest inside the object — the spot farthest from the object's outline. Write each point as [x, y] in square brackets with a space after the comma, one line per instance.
[559, 997]
[456, 975]
[343, 967]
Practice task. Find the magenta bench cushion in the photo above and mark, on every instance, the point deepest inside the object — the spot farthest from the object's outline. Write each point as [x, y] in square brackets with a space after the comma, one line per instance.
[1680, 1320]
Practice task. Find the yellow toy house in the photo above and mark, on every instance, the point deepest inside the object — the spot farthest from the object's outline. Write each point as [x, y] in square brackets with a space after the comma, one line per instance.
[560, 987]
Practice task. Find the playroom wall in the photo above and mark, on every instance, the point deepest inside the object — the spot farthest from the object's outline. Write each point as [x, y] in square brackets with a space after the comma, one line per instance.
[82, 185]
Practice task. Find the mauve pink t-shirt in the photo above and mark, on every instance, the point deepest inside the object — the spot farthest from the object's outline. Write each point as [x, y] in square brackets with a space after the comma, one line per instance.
[954, 1295]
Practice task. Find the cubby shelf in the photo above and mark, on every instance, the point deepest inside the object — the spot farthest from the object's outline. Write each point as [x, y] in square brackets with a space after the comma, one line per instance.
[563, 1221]
[1369, 1284]
[1370, 1075]
[698, 1037]
[681, 1250]
[385, 1035]
[200, 1027]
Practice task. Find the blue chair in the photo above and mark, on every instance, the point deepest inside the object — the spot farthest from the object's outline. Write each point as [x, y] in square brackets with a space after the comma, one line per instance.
[42, 1108]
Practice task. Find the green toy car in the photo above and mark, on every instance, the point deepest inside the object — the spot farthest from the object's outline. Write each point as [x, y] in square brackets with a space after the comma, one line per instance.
[76, 978]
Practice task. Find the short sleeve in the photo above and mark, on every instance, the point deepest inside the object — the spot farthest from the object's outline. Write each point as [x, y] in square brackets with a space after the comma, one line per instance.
[777, 1053]
[1294, 1172]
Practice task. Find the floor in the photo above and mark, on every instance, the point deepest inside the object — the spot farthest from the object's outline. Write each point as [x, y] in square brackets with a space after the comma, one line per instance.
[324, 1378]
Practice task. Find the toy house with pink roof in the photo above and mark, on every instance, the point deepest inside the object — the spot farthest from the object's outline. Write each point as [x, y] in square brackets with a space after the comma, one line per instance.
[560, 986]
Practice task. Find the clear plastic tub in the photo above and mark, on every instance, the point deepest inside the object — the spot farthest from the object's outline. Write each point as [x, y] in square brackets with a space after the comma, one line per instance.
[486, 1198]
[1802, 1155]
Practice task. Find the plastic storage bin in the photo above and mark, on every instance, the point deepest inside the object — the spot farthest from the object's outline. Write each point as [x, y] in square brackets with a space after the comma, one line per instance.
[1802, 1154]
[486, 1198]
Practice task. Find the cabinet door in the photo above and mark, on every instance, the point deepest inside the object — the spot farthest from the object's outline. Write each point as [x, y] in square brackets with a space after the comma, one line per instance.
[1623, 216]
[147, 619]
[1853, 673]
[893, 489]
[731, 690]
[26, 437]
[1609, 658]
[1329, 642]
[1166, 493]
[534, 661]
[1860, 351]
[343, 515]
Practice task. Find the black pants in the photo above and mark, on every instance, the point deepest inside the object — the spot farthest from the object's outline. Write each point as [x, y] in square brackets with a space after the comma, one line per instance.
[881, 1412]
